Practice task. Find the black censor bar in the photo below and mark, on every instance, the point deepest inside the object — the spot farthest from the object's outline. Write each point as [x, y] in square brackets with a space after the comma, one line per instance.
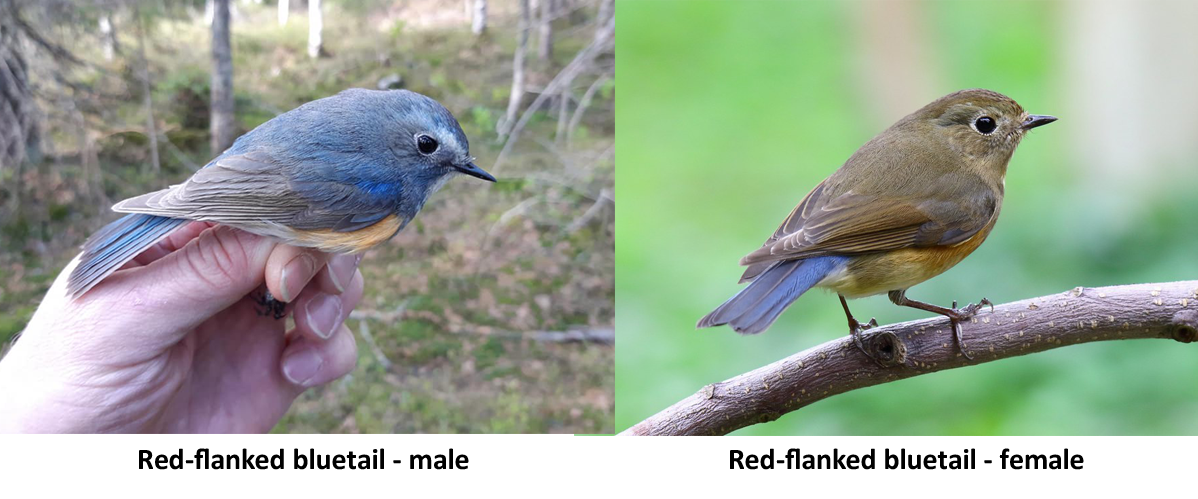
[303, 458]
[890, 458]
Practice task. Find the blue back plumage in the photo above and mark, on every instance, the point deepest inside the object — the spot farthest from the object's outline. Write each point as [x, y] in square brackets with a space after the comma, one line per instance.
[352, 156]
[362, 137]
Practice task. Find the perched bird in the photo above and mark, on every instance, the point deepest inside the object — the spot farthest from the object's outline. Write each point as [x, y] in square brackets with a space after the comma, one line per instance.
[340, 174]
[908, 205]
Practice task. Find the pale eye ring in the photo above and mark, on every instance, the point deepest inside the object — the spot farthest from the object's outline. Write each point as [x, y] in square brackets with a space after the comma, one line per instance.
[426, 145]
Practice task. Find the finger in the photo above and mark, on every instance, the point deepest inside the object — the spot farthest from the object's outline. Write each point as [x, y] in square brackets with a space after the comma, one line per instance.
[290, 268]
[319, 314]
[309, 363]
[177, 239]
[182, 289]
[338, 273]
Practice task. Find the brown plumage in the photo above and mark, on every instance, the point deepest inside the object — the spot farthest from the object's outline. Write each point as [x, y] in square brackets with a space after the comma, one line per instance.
[908, 205]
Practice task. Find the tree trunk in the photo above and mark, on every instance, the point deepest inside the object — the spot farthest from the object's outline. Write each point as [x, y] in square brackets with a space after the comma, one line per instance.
[315, 25]
[19, 132]
[107, 38]
[545, 30]
[284, 11]
[563, 115]
[479, 24]
[513, 105]
[89, 160]
[222, 126]
[607, 9]
[147, 97]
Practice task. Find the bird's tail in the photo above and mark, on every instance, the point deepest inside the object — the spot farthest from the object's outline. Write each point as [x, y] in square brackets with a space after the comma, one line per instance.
[759, 304]
[114, 245]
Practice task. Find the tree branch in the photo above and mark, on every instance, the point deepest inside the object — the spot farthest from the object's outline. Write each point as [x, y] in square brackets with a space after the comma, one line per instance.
[1082, 315]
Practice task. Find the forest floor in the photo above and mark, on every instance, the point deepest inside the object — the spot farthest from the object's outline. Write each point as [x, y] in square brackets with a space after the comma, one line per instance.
[449, 328]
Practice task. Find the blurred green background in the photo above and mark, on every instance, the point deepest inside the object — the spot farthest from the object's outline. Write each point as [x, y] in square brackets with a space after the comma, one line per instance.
[732, 111]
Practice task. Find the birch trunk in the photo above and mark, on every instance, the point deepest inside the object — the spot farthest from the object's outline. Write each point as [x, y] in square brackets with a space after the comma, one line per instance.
[545, 30]
[479, 24]
[222, 125]
[315, 26]
[513, 105]
[284, 11]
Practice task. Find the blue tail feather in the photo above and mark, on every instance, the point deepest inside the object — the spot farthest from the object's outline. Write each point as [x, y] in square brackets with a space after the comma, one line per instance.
[759, 304]
[114, 245]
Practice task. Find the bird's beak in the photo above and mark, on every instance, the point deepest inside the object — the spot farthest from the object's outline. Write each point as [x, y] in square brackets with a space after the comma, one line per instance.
[473, 170]
[1035, 120]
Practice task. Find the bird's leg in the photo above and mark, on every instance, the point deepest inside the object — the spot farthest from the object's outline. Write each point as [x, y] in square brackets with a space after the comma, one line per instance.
[955, 315]
[268, 305]
[855, 328]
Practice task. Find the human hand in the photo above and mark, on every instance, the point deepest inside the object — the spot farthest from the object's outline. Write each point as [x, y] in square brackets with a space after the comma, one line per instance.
[175, 342]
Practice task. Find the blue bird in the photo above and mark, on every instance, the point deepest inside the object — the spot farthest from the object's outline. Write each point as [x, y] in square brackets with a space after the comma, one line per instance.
[339, 174]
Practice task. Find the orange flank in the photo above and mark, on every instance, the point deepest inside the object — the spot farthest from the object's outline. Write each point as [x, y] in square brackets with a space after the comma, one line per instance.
[878, 273]
[349, 242]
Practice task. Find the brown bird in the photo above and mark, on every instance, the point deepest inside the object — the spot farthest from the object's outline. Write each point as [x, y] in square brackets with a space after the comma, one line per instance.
[907, 206]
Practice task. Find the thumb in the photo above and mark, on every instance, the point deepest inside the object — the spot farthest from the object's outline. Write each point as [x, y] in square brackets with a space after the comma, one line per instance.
[177, 292]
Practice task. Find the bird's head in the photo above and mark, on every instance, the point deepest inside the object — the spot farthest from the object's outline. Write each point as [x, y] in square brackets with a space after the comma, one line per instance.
[422, 134]
[979, 123]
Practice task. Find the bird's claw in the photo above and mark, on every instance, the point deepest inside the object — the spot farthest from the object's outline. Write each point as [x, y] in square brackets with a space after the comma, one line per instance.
[962, 314]
[968, 311]
[855, 330]
[266, 304]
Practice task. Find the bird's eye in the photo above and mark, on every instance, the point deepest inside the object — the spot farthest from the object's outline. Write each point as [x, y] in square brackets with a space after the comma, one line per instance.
[985, 124]
[426, 145]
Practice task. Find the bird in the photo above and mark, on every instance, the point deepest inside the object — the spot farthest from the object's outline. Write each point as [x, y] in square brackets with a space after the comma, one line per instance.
[339, 174]
[908, 205]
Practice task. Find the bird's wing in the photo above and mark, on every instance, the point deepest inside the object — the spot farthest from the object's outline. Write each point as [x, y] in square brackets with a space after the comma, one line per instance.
[254, 188]
[852, 223]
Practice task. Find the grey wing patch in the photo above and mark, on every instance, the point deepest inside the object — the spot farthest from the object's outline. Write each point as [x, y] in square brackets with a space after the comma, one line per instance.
[253, 190]
[230, 190]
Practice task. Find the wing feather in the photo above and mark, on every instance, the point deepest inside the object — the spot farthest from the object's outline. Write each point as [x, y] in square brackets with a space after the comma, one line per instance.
[254, 189]
[853, 223]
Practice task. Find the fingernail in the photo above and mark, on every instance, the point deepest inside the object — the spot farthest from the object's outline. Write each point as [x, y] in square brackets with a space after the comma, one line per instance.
[341, 270]
[301, 366]
[302, 265]
[324, 313]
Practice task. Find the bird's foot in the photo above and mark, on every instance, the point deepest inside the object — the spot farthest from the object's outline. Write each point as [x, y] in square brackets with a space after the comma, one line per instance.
[968, 311]
[965, 313]
[855, 330]
[266, 304]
